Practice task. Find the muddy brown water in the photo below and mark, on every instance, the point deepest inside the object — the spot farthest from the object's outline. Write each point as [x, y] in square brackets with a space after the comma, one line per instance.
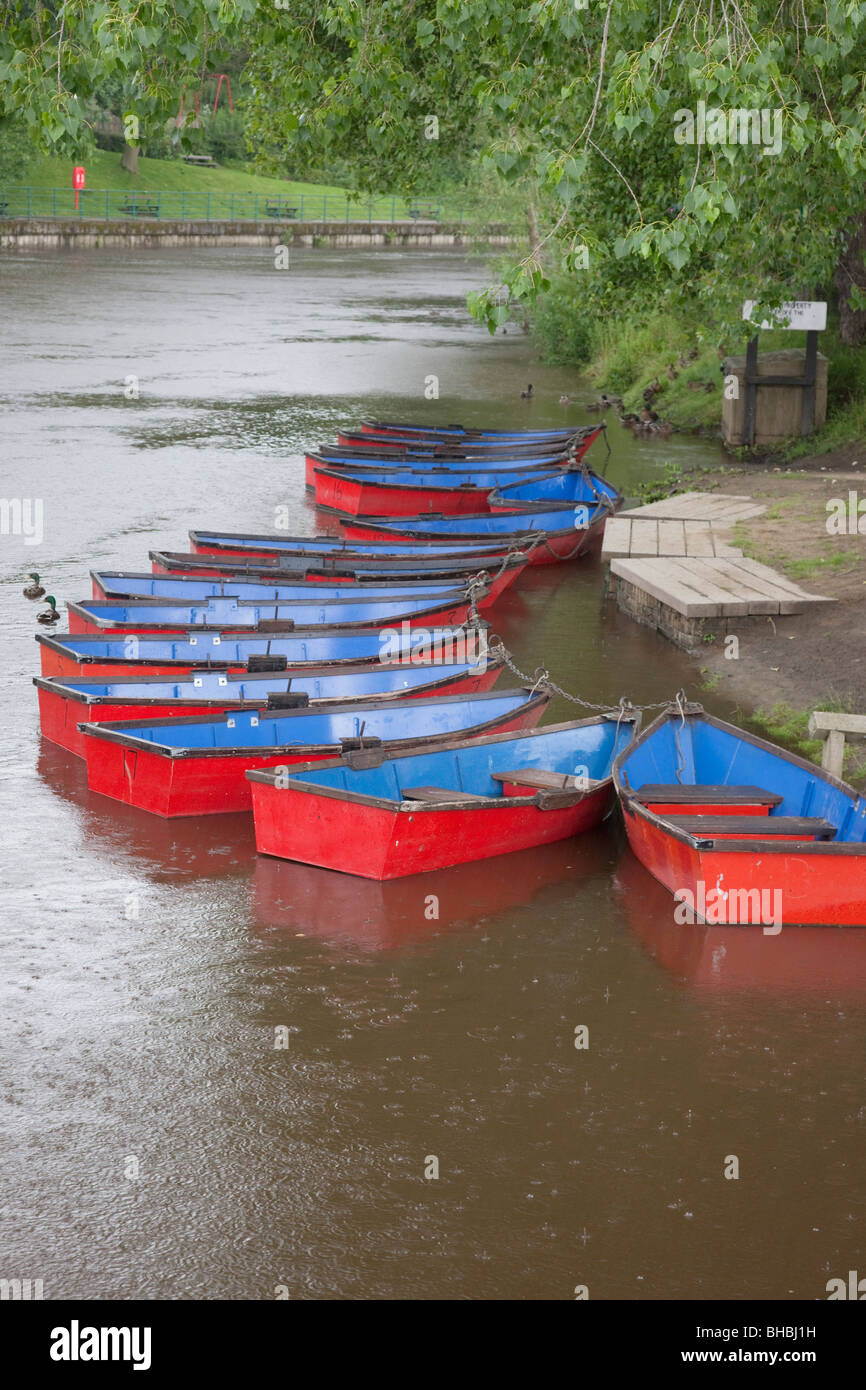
[156, 1142]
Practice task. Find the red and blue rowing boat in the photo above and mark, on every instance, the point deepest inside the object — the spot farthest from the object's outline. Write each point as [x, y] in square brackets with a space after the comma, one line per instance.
[195, 767]
[66, 703]
[740, 831]
[431, 808]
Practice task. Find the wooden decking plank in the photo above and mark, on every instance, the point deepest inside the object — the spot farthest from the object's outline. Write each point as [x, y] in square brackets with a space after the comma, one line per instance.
[644, 538]
[672, 538]
[762, 584]
[698, 538]
[668, 589]
[761, 602]
[617, 536]
[756, 568]
[701, 578]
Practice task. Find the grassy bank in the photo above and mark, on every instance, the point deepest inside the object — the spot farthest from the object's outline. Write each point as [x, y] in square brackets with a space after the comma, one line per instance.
[623, 355]
[104, 171]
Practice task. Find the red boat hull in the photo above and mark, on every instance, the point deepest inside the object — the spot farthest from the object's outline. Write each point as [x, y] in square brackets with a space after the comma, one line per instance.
[819, 886]
[354, 496]
[60, 715]
[202, 786]
[381, 843]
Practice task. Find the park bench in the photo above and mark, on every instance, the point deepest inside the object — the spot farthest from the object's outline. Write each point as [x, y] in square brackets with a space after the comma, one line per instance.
[275, 208]
[205, 161]
[428, 211]
[134, 208]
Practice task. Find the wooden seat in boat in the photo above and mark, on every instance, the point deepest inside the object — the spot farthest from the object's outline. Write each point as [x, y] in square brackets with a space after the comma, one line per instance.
[434, 794]
[761, 827]
[541, 779]
[672, 794]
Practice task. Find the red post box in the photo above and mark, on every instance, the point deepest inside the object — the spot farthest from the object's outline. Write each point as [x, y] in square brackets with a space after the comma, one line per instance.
[77, 181]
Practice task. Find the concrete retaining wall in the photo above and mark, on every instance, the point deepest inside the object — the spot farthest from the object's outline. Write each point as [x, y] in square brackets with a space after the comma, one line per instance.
[21, 233]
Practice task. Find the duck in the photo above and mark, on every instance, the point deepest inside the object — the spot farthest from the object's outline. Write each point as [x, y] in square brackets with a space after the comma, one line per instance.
[565, 400]
[628, 419]
[709, 386]
[672, 372]
[527, 394]
[607, 400]
[34, 590]
[681, 361]
[662, 427]
[49, 616]
[648, 416]
[693, 352]
[592, 406]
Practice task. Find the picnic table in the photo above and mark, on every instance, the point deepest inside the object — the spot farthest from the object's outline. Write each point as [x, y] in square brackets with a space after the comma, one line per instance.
[275, 208]
[135, 208]
[206, 161]
[429, 211]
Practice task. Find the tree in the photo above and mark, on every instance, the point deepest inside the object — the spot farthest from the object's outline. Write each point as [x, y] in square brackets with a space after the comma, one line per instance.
[703, 150]
[585, 104]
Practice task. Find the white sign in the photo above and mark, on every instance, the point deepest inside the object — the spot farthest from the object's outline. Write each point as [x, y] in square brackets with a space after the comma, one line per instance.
[800, 314]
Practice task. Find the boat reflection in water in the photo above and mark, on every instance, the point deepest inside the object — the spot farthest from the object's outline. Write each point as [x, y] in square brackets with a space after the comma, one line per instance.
[167, 850]
[738, 959]
[395, 913]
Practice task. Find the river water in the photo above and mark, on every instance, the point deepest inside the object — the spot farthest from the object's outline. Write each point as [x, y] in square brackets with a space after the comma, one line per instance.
[156, 1142]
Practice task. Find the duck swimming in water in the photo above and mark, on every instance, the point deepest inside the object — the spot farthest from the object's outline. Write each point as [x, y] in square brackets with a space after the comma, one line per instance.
[527, 394]
[34, 590]
[565, 400]
[49, 616]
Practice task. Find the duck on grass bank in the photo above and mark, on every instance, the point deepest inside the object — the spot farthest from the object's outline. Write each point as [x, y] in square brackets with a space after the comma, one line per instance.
[49, 616]
[34, 590]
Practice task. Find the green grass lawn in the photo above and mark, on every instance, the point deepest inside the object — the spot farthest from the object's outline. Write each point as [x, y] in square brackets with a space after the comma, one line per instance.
[104, 172]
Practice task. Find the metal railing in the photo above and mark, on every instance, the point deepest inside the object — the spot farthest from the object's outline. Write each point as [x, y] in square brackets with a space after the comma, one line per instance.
[165, 205]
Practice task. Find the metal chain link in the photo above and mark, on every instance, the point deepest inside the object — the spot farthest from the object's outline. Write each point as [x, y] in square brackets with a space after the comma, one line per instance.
[496, 648]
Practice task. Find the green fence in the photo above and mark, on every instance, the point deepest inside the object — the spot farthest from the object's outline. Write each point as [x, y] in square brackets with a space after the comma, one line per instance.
[120, 205]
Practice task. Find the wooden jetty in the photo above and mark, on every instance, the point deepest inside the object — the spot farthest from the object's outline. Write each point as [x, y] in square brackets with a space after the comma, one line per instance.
[673, 568]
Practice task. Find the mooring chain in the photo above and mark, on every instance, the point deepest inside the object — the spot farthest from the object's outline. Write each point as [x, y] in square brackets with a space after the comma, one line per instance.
[496, 648]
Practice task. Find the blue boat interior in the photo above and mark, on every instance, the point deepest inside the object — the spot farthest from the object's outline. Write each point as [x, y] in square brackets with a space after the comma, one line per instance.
[409, 719]
[558, 487]
[238, 613]
[586, 751]
[164, 586]
[365, 644]
[698, 753]
[212, 685]
[502, 524]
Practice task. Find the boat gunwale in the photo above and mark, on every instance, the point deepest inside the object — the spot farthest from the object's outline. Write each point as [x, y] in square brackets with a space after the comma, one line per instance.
[342, 545]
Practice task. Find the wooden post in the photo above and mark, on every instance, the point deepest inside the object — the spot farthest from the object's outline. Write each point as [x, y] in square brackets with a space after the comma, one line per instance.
[750, 402]
[833, 729]
[810, 380]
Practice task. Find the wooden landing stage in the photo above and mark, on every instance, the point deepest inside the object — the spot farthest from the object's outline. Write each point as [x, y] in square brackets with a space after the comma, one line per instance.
[692, 523]
[673, 568]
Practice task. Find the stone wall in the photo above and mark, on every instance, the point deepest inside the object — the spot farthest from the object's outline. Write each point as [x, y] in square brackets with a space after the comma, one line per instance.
[39, 233]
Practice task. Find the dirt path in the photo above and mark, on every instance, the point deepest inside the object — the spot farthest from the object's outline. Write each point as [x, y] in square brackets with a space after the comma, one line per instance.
[818, 657]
